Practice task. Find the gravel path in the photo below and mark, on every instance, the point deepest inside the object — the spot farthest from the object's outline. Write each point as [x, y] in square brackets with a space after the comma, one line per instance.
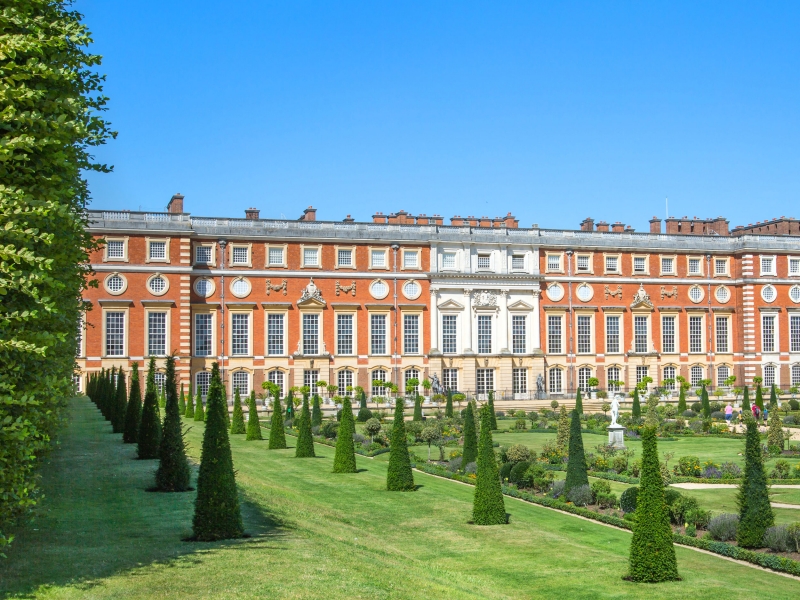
[722, 486]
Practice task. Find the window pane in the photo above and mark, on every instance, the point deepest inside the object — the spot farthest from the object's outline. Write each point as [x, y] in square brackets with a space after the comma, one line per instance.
[158, 250]
[584, 373]
[640, 334]
[276, 256]
[555, 381]
[554, 334]
[794, 333]
[310, 378]
[639, 264]
[202, 381]
[115, 334]
[666, 265]
[612, 335]
[157, 334]
[722, 334]
[484, 334]
[344, 380]
[768, 333]
[276, 377]
[720, 267]
[484, 261]
[311, 257]
[583, 263]
[695, 375]
[450, 379]
[310, 334]
[202, 254]
[695, 334]
[449, 333]
[274, 334]
[518, 337]
[240, 255]
[449, 260]
[669, 373]
[378, 334]
[722, 375]
[378, 375]
[520, 381]
[484, 380]
[345, 258]
[611, 263]
[694, 266]
[769, 376]
[553, 262]
[410, 260]
[378, 259]
[116, 249]
[584, 334]
[241, 382]
[344, 334]
[411, 334]
[668, 334]
[240, 334]
[517, 263]
[202, 334]
[613, 376]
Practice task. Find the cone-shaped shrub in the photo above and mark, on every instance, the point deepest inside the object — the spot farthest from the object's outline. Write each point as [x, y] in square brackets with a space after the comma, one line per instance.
[773, 398]
[448, 407]
[344, 461]
[417, 408]
[237, 421]
[277, 436]
[755, 512]
[253, 425]
[182, 402]
[652, 556]
[109, 402]
[746, 408]
[488, 507]
[491, 410]
[775, 433]
[199, 409]
[681, 400]
[149, 439]
[399, 477]
[133, 410]
[290, 412]
[562, 436]
[706, 404]
[759, 397]
[120, 403]
[576, 467]
[636, 411]
[216, 509]
[578, 403]
[316, 412]
[305, 442]
[189, 414]
[173, 472]
[470, 453]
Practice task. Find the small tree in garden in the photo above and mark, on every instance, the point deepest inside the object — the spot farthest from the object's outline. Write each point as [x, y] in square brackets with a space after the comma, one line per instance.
[562, 437]
[579, 402]
[636, 411]
[182, 402]
[316, 412]
[417, 408]
[216, 511]
[470, 452]
[681, 400]
[305, 441]
[746, 408]
[652, 555]
[277, 436]
[253, 424]
[150, 427]
[189, 413]
[705, 403]
[133, 410]
[199, 409]
[430, 435]
[491, 410]
[448, 407]
[775, 433]
[576, 467]
[237, 421]
[399, 477]
[426, 385]
[344, 460]
[755, 511]
[759, 396]
[372, 428]
[488, 507]
[773, 398]
[173, 472]
[120, 403]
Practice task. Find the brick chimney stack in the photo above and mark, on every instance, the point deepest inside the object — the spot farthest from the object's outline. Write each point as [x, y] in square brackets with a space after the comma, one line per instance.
[602, 226]
[309, 214]
[655, 225]
[251, 214]
[587, 224]
[379, 217]
[175, 205]
[617, 227]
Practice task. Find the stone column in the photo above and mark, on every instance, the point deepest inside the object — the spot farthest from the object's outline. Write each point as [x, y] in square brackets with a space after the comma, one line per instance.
[466, 330]
[503, 322]
[434, 312]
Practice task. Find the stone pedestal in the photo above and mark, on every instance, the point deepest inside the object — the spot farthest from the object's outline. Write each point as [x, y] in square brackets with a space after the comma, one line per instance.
[616, 436]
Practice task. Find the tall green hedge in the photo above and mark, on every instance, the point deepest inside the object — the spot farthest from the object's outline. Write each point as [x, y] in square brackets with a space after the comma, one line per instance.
[491, 411]
[746, 408]
[488, 507]
[253, 424]
[759, 397]
[237, 420]
[217, 515]
[199, 409]
[773, 398]
[399, 477]
[189, 413]
[417, 408]
[305, 441]
[173, 473]
[277, 436]
[681, 400]
[636, 410]
[133, 410]
[316, 412]
[182, 402]
[150, 427]
[705, 403]
[120, 403]
[344, 460]
[755, 511]
[470, 451]
[576, 467]
[652, 555]
[448, 407]
[578, 402]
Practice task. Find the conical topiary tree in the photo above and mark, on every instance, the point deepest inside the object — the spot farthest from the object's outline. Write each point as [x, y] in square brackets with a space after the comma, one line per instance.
[759, 397]
[149, 439]
[681, 400]
[290, 412]
[448, 407]
[488, 507]
[562, 436]
[133, 410]
[491, 410]
[120, 403]
[775, 435]
[199, 409]
[578, 402]
[576, 467]
[652, 555]
[705, 403]
[316, 412]
[277, 436]
[746, 408]
[110, 396]
[182, 402]
[253, 424]
[636, 411]
[399, 477]
[189, 414]
[417, 408]
[305, 441]
[344, 461]
[364, 413]
[216, 510]
[755, 511]
[470, 453]
[173, 472]
[773, 398]
[237, 421]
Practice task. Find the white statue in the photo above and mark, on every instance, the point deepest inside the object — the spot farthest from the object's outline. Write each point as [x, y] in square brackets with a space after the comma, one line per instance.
[614, 411]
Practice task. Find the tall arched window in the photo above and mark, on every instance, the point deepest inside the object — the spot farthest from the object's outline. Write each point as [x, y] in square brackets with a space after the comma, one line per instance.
[584, 373]
[412, 374]
[202, 381]
[723, 372]
[345, 380]
[378, 375]
[769, 375]
[555, 380]
[276, 376]
[241, 382]
[161, 379]
[695, 374]
[614, 375]
[669, 373]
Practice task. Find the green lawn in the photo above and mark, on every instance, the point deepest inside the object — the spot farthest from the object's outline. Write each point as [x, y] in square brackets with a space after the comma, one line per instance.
[318, 535]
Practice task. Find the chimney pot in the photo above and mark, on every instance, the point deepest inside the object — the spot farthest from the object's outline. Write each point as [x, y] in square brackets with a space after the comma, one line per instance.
[175, 205]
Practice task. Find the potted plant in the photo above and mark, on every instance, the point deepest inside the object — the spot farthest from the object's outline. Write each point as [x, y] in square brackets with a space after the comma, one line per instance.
[593, 382]
[426, 385]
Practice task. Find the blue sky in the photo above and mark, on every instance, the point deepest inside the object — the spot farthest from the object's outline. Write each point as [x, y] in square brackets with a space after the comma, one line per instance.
[553, 111]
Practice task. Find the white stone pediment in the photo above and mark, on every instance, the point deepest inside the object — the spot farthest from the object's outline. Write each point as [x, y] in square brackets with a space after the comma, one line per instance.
[450, 305]
[311, 303]
[520, 305]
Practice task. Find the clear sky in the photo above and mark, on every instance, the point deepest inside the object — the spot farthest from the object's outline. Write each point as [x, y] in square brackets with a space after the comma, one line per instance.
[554, 111]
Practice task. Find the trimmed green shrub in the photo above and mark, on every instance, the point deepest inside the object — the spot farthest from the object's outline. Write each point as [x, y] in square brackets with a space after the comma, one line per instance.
[182, 402]
[491, 411]
[518, 453]
[120, 403]
[773, 398]
[636, 411]
[576, 467]
[681, 400]
[290, 412]
[775, 432]
[517, 472]
[580, 495]
[755, 512]
[217, 515]
[777, 538]
[627, 501]
[189, 413]
[470, 452]
[578, 403]
[705, 403]
[399, 477]
[746, 408]
[488, 507]
[173, 473]
[133, 410]
[199, 409]
[237, 421]
[562, 436]
[759, 398]
[253, 424]
[344, 460]
[316, 412]
[448, 407]
[149, 439]
[277, 436]
[652, 556]
[305, 441]
[723, 527]
[417, 408]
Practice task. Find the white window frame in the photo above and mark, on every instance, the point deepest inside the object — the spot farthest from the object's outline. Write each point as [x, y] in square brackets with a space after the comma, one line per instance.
[351, 250]
[701, 269]
[125, 330]
[579, 341]
[409, 252]
[269, 247]
[278, 377]
[249, 255]
[555, 380]
[386, 261]
[551, 337]
[384, 376]
[518, 256]
[418, 315]
[386, 337]
[771, 375]
[249, 314]
[154, 311]
[643, 257]
[213, 338]
[727, 262]
[794, 333]
[353, 332]
[617, 258]
[212, 261]
[487, 257]
[773, 270]
[303, 248]
[727, 334]
[589, 256]
[454, 254]
[673, 270]
[674, 334]
[319, 316]
[775, 327]
[515, 336]
[124, 257]
[519, 380]
[284, 328]
[559, 256]
[620, 342]
[793, 260]
[247, 377]
[457, 333]
[692, 337]
[148, 245]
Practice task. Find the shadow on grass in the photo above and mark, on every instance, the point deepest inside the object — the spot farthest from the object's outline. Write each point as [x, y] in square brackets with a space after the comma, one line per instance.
[97, 520]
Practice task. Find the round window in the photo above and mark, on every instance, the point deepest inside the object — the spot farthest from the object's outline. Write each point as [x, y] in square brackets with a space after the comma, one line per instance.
[695, 293]
[768, 293]
[585, 292]
[723, 294]
[379, 289]
[157, 285]
[115, 284]
[240, 287]
[412, 290]
[555, 292]
[204, 287]
[794, 294]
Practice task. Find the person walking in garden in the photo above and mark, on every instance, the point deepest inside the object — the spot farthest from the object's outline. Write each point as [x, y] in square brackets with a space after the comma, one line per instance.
[728, 412]
[756, 411]
[766, 414]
